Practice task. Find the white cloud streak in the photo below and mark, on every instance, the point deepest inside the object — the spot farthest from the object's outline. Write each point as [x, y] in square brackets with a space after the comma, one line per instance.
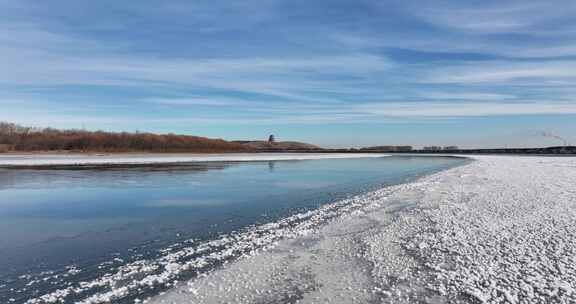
[47, 59]
[541, 29]
[467, 109]
[495, 17]
[504, 72]
[436, 95]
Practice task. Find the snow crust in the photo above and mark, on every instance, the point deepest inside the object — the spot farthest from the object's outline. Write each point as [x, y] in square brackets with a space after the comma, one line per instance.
[15, 160]
[499, 230]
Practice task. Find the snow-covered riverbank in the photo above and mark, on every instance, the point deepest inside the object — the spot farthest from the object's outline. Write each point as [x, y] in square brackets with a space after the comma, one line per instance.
[19, 160]
[499, 230]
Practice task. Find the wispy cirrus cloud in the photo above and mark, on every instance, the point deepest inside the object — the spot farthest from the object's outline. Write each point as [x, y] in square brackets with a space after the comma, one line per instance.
[477, 96]
[49, 60]
[498, 16]
[195, 101]
[546, 72]
[263, 63]
[468, 109]
[511, 29]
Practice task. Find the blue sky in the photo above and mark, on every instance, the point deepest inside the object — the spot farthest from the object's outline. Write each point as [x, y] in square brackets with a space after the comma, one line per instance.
[336, 73]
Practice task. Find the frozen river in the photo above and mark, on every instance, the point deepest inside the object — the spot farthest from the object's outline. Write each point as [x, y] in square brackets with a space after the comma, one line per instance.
[91, 235]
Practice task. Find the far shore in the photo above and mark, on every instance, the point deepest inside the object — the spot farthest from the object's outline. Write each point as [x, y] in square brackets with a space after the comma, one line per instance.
[45, 160]
[556, 151]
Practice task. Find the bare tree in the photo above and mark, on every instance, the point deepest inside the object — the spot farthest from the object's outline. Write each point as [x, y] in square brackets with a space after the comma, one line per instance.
[34, 139]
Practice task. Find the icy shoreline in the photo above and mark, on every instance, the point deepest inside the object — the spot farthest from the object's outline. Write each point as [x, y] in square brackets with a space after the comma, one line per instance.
[28, 160]
[499, 230]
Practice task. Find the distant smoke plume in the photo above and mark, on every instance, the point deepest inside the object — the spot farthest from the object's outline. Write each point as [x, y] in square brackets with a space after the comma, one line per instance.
[554, 136]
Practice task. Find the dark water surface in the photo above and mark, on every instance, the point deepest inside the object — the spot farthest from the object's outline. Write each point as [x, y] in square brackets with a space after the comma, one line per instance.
[65, 221]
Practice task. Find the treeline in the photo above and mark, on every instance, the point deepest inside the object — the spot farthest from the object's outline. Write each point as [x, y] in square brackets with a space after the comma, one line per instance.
[14, 137]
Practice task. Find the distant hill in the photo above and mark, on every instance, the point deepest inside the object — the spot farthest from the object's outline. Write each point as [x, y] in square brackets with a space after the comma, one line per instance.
[277, 146]
[26, 139]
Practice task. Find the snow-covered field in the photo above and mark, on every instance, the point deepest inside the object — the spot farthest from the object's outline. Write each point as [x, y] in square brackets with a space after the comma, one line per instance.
[15, 160]
[499, 230]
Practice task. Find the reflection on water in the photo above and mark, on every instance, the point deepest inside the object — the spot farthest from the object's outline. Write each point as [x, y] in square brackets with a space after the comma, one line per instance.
[53, 218]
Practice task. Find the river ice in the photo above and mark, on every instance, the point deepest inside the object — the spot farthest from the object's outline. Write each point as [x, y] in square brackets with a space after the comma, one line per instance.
[16, 160]
[501, 229]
